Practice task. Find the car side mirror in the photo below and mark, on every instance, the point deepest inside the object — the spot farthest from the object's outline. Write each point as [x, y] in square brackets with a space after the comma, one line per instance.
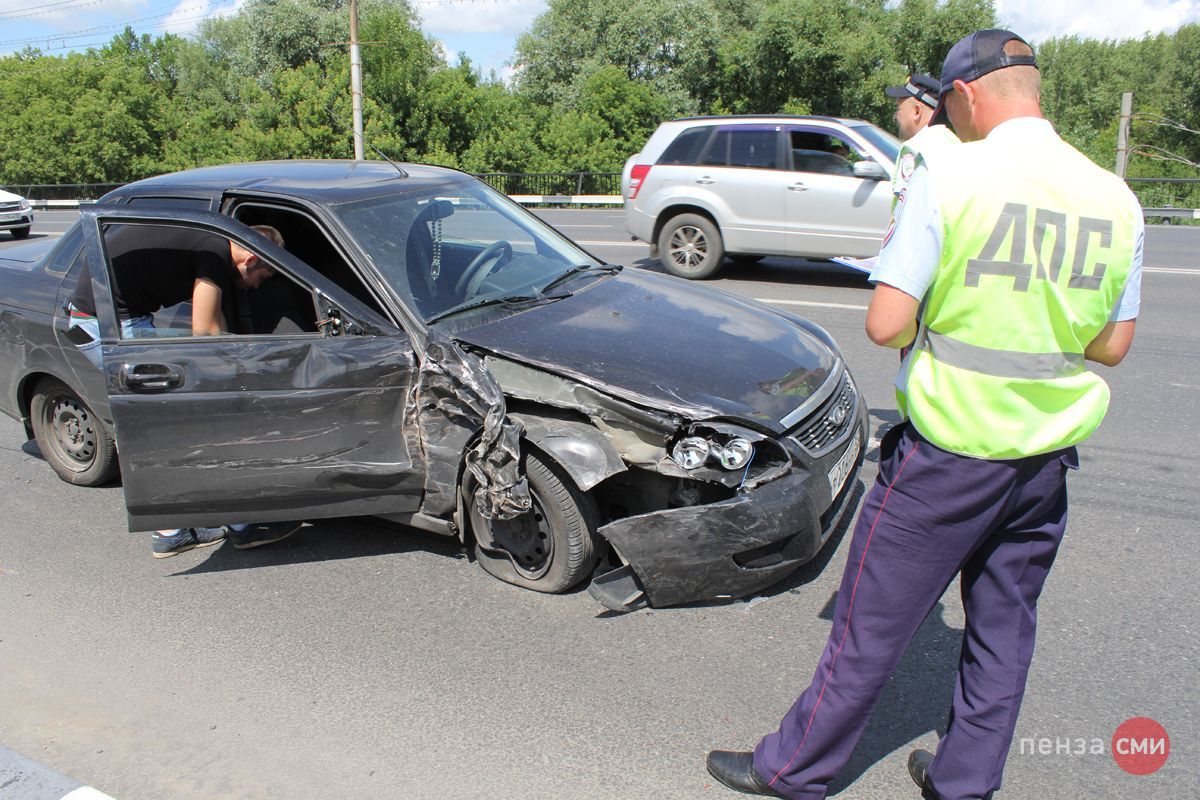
[870, 170]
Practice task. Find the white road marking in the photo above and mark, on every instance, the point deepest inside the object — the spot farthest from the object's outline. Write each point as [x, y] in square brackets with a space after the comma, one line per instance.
[614, 244]
[86, 793]
[813, 303]
[573, 225]
[1172, 270]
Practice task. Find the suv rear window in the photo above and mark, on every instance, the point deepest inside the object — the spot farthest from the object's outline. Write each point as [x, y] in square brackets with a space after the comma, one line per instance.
[743, 147]
[685, 150]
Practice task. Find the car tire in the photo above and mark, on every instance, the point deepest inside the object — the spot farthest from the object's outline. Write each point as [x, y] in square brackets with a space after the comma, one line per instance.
[20, 233]
[552, 547]
[690, 246]
[74, 441]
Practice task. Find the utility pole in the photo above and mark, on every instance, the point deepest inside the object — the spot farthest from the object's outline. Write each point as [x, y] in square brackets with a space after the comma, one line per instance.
[356, 81]
[1123, 134]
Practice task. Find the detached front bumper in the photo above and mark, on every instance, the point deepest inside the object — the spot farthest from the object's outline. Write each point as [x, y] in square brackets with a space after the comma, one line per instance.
[730, 548]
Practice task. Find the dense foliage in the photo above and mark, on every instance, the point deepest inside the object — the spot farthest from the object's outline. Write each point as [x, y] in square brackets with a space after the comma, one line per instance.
[593, 79]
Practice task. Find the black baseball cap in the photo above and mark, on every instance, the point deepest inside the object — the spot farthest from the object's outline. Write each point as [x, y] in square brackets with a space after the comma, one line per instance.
[922, 87]
[974, 56]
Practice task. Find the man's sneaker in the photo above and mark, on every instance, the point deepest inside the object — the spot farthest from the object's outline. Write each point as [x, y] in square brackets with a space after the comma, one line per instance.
[185, 539]
[262, 533]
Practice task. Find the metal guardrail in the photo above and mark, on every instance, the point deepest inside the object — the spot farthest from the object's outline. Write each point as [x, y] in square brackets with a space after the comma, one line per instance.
[539, 188]
[1160, 197]
[1167, 197]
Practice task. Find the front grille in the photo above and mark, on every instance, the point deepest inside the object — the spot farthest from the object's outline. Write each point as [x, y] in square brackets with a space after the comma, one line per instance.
[826, 426]
[10, 205]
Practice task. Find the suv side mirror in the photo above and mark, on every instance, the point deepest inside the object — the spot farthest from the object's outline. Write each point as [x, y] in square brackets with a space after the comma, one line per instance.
[869, 170]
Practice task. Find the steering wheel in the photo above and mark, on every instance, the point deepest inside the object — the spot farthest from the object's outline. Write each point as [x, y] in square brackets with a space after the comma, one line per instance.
[498, 253]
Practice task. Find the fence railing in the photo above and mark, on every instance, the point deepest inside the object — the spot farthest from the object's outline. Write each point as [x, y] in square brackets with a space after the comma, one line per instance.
[1167, 198]
[560, 184]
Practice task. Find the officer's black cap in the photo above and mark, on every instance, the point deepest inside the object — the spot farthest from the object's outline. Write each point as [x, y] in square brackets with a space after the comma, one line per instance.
[922, 87]
[974, 56]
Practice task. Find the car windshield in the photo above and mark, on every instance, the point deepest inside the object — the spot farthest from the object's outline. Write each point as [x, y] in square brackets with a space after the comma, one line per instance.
[457, 245]
[886, 143]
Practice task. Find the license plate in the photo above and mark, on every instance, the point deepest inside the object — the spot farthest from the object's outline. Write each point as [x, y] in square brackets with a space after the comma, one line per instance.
[842, 469]
[9, 217]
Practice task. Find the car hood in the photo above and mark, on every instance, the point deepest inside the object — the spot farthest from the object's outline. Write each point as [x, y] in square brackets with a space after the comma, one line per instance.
[8, 197]
[665, 343]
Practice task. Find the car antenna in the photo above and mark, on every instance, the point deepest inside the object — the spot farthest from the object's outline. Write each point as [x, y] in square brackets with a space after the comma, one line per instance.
[378, 152]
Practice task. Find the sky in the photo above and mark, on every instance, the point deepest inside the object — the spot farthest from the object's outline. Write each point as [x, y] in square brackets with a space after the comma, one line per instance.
[486, 30]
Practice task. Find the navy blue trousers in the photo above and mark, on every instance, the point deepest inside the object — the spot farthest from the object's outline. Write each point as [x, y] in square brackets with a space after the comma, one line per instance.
[931, 515]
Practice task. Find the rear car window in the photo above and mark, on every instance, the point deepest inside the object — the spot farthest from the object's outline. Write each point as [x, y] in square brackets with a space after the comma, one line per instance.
[686, 148]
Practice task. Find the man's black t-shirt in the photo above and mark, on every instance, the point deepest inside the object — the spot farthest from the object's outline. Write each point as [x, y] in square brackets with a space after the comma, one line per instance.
[156, 267]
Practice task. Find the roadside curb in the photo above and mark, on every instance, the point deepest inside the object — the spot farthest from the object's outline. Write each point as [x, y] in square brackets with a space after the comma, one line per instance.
[23, 778]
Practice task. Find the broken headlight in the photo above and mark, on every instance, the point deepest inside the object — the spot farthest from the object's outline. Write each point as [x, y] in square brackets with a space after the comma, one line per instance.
[691, 452]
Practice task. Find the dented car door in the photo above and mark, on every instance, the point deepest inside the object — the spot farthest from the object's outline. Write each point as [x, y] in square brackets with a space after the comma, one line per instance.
[257, 426]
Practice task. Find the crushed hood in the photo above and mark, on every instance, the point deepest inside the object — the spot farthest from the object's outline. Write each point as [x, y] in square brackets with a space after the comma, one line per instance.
[669, 344]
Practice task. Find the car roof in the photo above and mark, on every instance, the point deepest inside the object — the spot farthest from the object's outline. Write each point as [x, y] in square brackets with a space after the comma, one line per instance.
[768, 117]
[329, 181]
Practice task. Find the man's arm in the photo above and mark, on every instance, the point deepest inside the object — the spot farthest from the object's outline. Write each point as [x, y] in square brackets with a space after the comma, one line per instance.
[892, 317]
[207, 319]
[907, 263]
[1111, 344]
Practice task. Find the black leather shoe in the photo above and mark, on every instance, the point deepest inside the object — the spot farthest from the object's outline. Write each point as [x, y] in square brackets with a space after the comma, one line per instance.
[736, 770]
[918, 769]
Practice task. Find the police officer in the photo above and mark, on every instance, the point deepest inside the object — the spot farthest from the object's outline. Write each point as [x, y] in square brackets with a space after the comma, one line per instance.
[1014, 260]
[916, 101]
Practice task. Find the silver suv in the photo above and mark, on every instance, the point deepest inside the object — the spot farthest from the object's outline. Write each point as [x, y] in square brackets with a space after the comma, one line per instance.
[747, 187]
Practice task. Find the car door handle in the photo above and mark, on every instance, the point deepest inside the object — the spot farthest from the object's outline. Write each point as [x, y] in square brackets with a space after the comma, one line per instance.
[797, 187]
[151, 377]
[705, 181]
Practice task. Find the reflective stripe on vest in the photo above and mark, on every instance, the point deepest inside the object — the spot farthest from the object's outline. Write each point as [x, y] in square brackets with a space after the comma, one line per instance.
[1000, 363]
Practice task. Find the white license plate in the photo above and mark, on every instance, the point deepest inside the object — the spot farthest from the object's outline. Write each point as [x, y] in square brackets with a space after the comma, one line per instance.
[841, 470]
[9, 217]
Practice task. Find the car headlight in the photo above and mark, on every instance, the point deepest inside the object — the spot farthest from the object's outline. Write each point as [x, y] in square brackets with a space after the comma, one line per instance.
[735, 454]
[24, 206]
[690, 452]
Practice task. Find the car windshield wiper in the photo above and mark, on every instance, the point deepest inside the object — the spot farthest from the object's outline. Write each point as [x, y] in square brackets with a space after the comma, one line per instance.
[579, 269]
[512, 301]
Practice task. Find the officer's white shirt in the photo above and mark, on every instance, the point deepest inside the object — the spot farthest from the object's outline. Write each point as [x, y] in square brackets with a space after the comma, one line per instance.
[912, 248]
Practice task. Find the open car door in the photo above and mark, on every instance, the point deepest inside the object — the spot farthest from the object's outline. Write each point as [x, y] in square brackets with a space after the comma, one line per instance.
[261, 426]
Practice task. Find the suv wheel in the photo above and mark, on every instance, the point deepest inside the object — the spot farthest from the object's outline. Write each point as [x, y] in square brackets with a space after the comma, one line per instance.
[690, 246]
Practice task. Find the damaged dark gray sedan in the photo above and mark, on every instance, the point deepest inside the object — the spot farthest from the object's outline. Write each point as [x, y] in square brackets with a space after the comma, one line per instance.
[429, 352]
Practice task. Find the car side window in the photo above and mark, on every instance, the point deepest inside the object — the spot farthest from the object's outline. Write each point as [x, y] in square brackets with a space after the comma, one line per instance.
[686, 148]
[822, 152]
[751, 147]
[172, 280]
[306, 239]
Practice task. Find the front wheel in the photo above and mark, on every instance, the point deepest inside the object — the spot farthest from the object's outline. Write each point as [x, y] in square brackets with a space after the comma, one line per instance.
[690, 246]
[19, 233]
[550, 548]
[74, 441]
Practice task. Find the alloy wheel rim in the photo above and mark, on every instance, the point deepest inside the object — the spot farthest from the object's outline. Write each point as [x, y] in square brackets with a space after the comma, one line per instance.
[689, 247]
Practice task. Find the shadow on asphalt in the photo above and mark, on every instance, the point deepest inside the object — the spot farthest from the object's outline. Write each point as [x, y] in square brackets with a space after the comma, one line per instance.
[779, 270]
[328, 540]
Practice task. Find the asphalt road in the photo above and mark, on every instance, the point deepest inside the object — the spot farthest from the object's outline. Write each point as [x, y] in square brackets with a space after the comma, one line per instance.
[358, 660]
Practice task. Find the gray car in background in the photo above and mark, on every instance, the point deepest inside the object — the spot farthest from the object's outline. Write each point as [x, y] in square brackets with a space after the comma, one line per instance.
[704, 188]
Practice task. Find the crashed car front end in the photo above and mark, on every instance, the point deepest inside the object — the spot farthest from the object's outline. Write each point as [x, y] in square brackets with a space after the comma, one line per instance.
[697, 509]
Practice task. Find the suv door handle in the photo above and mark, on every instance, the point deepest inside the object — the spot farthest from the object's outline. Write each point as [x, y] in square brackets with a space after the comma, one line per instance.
[151, 377]
[705, 181]
[797, 187]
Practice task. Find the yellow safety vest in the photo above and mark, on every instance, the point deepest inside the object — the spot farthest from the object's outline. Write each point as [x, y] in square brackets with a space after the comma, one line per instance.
[1037, 245]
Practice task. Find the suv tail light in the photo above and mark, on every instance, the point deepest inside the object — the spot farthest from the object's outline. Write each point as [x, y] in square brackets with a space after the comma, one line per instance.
[636, 177]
